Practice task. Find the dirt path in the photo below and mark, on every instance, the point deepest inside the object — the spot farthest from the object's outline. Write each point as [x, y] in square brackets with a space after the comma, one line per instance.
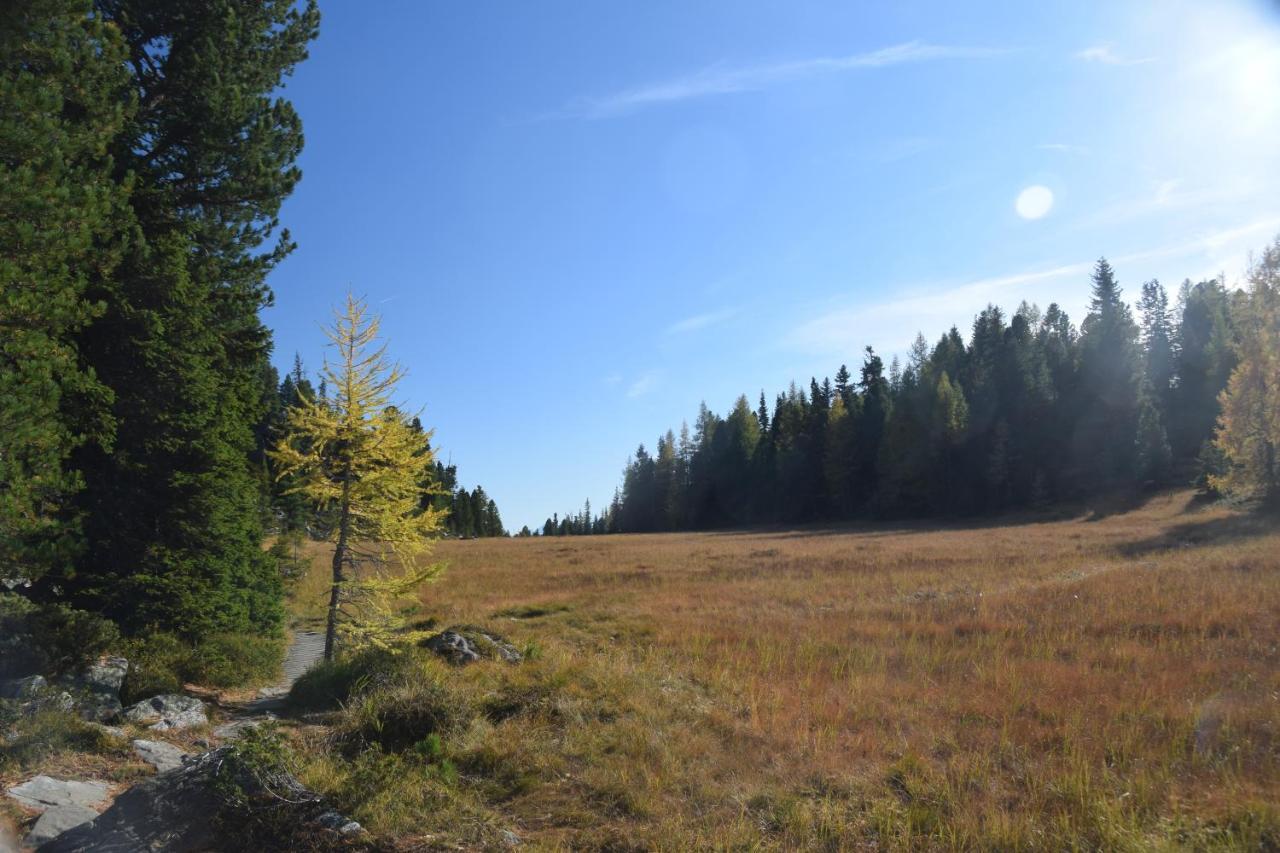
[306, 649]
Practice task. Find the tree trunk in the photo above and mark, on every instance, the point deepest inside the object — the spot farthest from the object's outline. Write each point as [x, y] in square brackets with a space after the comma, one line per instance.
[335, 590]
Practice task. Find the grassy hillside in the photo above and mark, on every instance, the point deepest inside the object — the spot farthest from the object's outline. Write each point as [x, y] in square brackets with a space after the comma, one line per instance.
[1108, 682]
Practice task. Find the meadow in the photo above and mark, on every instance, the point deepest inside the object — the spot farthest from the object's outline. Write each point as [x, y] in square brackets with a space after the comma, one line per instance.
[1096, 681]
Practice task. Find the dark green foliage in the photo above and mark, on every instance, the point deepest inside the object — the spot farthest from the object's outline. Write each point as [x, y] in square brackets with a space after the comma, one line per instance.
[50, 639]
[63, 223]
[172, 510]
[163, 662]
[1029, 411]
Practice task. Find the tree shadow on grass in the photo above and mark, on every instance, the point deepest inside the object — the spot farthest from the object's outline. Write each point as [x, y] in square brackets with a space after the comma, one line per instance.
[1213, 531]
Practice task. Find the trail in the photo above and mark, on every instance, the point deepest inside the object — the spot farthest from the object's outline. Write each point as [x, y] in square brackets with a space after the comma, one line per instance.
[306, 649]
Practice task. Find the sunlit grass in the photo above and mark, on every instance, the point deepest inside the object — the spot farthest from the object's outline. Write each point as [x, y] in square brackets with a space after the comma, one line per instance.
[1108, 684]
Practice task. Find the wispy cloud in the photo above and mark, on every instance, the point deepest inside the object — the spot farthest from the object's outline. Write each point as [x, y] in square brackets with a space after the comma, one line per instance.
[700, 321]
[890, 325]
[1103, 54]
[1063, 148]
[719, 80]
[643, 385]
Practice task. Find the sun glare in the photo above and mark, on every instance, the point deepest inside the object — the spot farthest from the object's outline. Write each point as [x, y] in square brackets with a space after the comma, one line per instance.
[1034, 202]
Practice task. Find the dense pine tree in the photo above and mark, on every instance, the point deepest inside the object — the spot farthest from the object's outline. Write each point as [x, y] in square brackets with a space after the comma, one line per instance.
[64, 222]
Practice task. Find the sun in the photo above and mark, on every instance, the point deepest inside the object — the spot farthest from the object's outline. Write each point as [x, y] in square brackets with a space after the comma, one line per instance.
[1034, 202]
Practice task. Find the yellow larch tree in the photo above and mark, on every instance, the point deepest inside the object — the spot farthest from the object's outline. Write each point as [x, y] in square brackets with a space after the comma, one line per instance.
[357, 458]
[1249, 427]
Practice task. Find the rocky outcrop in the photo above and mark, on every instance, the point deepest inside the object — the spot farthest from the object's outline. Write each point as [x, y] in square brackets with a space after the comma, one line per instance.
[94, 692]
[63, 803]
[464, 644]
[193, 808]
[170, 711]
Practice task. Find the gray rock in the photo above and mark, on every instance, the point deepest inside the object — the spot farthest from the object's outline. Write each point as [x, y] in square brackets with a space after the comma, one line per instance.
[109, 731]
[465, 644]
[160, 755]
[23, 688]
[44, 792]
[97, 688]
[56, 821]
[170, 711]
[236, 728]
[338, 822]
[186, 810]
[509, 838]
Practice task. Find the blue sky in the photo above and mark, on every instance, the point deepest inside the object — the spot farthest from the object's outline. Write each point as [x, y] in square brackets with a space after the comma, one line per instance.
[581, 219]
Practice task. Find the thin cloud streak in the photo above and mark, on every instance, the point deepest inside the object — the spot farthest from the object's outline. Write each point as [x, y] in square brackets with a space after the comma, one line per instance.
[643, 385]
[832, 331]
[1104, 55]
[718, 80]
[701, 321]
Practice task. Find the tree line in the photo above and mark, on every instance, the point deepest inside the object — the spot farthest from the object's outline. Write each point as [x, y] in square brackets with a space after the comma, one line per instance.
[1029, 410]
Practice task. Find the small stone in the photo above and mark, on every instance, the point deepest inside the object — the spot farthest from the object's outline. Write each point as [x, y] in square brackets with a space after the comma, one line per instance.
[160, 755]
[236, 729]
[509, 838]
[43, 792]
[58, 820]
[338, 823]
[109, 731]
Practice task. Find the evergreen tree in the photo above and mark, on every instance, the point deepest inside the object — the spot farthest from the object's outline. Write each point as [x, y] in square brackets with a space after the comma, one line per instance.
[63, 222]
[172, 517]
[1206, 356]
[357, 454]
[1107, 425]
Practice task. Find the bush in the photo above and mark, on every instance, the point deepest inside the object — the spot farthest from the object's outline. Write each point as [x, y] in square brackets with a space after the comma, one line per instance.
[52, 639]
[231, 660]
[33, 737]
[407, 715]
[330, 684]
[163, 662]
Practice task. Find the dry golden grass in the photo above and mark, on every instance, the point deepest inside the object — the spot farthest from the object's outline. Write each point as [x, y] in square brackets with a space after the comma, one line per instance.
[1101, 684]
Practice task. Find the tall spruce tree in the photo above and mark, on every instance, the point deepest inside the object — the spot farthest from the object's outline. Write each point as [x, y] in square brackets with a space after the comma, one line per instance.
[1109, 370]
[64, 221]
[171, 513]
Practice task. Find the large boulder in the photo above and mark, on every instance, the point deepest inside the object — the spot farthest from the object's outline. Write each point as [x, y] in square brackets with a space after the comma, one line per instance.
[56, 821]
[191, 808]
[23, 688]
[63, 803]
[96, 688]
[463, 644]
[43, 792]
[169, 711]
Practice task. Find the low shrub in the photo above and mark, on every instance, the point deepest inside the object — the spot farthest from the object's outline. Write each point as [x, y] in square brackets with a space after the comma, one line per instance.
[163, 662]
[33, 737]
[405, 715]
[51, 639]
[232, 660]
[330, 684]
